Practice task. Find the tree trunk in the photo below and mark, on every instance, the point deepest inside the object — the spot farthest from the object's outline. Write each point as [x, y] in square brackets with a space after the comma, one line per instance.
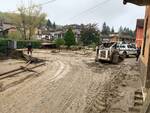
[30, 34]
[24, 29]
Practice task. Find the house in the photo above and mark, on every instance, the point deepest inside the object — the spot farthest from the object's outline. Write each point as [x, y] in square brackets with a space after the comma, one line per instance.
[145, 55]
[76, 30]
[105, 39]
[116, 37]
[55, 34]
[50, 34]
[139, 32]
[6, 28]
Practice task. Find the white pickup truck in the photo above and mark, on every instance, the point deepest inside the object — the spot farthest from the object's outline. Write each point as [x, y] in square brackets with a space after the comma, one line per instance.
[127, 49]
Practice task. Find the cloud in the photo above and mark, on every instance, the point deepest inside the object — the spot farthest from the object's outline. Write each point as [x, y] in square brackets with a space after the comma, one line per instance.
[71, 11]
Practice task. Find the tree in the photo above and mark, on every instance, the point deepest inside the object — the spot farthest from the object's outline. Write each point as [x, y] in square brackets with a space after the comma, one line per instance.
[69, 38]
[105, 29]
[54, 25]
[112, 30]
[121, 30]
[90, 34]
[49, 24]
[126, 31]
[59, 42]
[14, 35]
[28, 19]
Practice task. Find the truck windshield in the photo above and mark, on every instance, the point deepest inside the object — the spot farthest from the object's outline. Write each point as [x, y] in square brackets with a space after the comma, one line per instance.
[107, 45]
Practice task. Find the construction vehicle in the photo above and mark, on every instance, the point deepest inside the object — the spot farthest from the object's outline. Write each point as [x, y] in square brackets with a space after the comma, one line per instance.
[108, 52]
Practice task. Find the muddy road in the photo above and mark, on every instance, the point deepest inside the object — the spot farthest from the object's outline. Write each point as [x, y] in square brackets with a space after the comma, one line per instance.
[69, 82]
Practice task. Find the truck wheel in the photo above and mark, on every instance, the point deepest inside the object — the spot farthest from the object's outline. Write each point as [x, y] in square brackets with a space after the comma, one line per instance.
[115, 58]
[96, 60]
[125, 54]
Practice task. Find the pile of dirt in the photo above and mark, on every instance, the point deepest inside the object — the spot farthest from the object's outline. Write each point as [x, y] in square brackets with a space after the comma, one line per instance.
[55, 51]
[13, 54]
[16, 54]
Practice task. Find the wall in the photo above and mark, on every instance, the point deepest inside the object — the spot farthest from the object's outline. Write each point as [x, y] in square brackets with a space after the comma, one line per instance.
[139, 37]
[115, 39]
[145, 56]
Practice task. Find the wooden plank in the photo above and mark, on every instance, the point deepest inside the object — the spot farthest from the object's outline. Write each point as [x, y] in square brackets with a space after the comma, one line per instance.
[10, 71]
[15, 69]
[21, 71]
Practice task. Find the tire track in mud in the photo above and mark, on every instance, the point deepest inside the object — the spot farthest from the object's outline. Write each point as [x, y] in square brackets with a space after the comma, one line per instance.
[68, 90]
[59, 69]
[108, 94]
[62, 88]
[62, 70]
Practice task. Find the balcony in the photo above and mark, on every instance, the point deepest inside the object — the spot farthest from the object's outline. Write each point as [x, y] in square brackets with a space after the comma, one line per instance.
[138, 2]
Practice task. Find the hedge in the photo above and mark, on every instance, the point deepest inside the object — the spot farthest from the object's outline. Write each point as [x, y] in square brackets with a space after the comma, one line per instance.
[3, 45]
[20, 44]
[23, 44]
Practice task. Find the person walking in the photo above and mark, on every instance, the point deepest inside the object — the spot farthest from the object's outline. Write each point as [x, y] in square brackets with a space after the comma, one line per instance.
[29, 49]
[138, 53]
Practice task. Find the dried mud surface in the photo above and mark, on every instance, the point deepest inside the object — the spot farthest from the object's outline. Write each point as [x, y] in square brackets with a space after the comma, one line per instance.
[69, 82]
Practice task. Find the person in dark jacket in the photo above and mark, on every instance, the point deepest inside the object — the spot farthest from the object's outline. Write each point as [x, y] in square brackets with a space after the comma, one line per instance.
[29, 49]
[138, 53]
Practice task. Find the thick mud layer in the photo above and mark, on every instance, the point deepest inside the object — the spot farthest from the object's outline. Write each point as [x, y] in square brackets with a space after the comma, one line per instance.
[69, 82]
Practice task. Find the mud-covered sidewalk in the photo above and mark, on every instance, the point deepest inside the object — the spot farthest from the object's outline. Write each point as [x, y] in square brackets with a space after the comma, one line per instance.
[69, 82]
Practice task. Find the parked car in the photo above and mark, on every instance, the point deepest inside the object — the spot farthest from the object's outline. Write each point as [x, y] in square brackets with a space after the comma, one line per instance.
[127, 49]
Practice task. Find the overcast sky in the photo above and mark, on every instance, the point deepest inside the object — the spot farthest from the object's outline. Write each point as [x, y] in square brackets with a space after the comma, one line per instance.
[113, 12]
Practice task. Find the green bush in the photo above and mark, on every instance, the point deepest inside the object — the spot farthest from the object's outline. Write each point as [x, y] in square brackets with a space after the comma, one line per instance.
[3, 45]
[24, 44]
[59, 42]
[69, 38]
[93, 45]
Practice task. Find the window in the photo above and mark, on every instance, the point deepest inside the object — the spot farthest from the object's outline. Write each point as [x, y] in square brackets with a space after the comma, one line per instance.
[128, 46]
[145, 36]
[122, 46]
[115, 46]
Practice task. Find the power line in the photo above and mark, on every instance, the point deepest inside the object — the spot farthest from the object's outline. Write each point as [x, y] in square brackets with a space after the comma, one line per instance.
[87, 10]
[40, 4]
[45, 3]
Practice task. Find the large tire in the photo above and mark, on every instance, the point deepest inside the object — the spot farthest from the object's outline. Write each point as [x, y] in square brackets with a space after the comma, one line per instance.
[96, 59]
[125, 54]
[115, 58]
